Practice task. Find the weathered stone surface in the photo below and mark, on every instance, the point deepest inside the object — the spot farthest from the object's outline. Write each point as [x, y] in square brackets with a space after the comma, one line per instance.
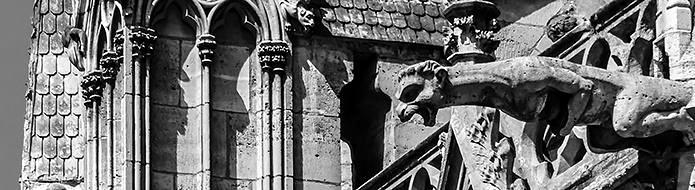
[165, 88]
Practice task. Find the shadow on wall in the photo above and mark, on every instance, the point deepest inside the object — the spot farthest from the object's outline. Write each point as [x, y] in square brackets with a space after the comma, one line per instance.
[362, 118]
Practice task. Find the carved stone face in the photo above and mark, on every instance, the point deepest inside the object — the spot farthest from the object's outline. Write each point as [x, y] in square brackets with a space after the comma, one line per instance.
[420, 91]
[305, 16]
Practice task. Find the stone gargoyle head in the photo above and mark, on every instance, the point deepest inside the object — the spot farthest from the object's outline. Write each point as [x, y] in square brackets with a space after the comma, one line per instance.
[421, 91]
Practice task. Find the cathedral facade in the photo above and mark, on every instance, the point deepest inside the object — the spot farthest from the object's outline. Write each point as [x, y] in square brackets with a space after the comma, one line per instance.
[303, 94]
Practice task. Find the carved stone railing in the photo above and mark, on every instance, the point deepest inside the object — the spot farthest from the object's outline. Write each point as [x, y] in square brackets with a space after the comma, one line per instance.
[436, 157]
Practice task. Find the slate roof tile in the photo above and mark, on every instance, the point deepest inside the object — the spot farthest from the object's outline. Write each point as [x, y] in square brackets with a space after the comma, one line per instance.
[36, 144]
[56, 167]
[399, 20]
[413, 21]
[68, 8]
[346, 4]
[384, 18]
[56, 84]
[71, 168]
[44, 7]
[370, 17]
[49, 148]
[365, 31]
[57, 44]
[360, 4]
[380, 32]
[389, 6]
[374, 5]
[57, 127]
[63, 64]
[427, 23]
[342, 15]
[42, 83]
[64, 104]
[77, 105]
[56, 6]
[71, 88]
[44, 43]
[49, 23]
[356, 16]
[351, 30]
[38, 99]
[72, 126]
[394, 34]
[409, 35]
[42, 124]
[417, 8]
[49, 104]
[423, 37]
[402, 6]
[431, 9]
[437, 38]
[49, 64]
[78, 146]
[42, 165]
[64, 148]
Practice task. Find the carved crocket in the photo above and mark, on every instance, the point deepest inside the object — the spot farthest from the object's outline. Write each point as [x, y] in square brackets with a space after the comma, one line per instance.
[622, 110]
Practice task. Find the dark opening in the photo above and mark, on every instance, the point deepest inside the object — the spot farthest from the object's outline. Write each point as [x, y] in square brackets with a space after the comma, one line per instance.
[362, 119]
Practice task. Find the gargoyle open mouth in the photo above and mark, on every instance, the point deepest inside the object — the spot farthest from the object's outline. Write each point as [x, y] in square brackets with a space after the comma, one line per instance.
[428, 113]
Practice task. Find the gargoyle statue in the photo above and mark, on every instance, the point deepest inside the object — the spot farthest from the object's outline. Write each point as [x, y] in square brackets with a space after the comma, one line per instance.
[300, 13]
[630, 109]
[72, 42]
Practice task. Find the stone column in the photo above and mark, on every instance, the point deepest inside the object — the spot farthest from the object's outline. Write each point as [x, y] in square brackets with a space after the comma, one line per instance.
[92, 85]
[470, 42]
[276, 140]
[135, 106]
[109, 64]
[206, 48]
[673, 31]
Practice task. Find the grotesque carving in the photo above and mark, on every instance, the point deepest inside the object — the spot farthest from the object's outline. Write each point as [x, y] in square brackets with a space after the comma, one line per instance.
[303, 17]
[559, 92]
[72, 42]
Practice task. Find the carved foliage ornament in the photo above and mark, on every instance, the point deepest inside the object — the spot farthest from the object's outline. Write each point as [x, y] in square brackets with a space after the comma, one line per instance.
[92, 87]
[110, 63]
[274, 55]
[142, 39]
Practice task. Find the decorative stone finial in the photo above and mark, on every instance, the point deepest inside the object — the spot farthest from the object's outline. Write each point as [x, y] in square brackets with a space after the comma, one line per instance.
[473, 25]
[206, 48]
[274, 55]
[92, 87]
[142, 39]
[110, 63]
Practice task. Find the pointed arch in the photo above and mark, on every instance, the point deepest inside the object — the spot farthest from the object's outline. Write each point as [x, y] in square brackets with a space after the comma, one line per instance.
[179, 19]
[234, 22]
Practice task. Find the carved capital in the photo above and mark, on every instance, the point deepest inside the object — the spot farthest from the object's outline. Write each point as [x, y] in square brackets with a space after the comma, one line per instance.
[110, 63]
[206, 48]
[142, 39]
[471, 37]
[92, 87]
[273, 56]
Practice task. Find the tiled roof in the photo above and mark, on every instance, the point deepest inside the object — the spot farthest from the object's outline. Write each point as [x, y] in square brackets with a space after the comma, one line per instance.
[54, 144]
[412, 21]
